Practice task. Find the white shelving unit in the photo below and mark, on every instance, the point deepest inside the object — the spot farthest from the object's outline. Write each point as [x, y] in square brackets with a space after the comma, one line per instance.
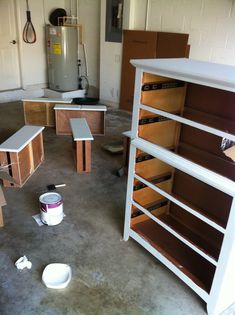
[180, 196]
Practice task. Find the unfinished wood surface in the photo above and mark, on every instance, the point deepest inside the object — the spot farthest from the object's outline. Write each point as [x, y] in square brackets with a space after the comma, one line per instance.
[3, 163]
[34, 113]
[161, 133]
[143, 217]
[195, 230]
[41, 111]
[168, 99]
[37, 150]
[212, 203]
[95, 120]
[1, 217]
[147, 195]
[178, 253]
[152, 167]
[50, 115]
[83, 156]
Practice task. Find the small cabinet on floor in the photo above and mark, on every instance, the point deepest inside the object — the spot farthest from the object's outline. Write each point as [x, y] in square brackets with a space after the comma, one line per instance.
[21, 154]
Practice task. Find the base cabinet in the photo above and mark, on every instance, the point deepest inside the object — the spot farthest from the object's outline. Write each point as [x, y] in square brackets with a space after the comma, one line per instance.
[180, 195]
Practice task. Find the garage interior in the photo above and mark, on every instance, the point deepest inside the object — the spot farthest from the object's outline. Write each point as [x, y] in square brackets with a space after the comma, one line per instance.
[109, 275]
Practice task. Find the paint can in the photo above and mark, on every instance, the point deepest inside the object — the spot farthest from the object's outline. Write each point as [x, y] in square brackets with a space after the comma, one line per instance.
[51, 208]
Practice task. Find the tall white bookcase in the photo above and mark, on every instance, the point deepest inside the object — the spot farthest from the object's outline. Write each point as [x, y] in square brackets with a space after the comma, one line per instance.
[180, 193]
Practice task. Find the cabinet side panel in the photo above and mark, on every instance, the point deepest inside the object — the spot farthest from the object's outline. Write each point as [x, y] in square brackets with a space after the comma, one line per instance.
[38, 152]
[170, 45]
[95, 120]
[35, 113]
[136, 45]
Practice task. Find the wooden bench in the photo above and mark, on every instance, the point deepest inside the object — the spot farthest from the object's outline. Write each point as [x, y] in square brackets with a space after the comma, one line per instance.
[82, 142]
[94, 115]
[40, 111]
[23, 152]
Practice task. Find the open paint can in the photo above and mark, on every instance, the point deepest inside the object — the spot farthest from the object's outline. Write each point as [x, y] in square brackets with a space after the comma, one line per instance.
[51, 208]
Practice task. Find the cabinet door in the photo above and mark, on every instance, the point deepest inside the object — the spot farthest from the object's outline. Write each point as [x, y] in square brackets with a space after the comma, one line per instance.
[172, 45]
[136, 45]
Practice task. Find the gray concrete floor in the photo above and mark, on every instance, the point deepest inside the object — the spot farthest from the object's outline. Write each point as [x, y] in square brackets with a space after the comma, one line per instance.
[110, 276]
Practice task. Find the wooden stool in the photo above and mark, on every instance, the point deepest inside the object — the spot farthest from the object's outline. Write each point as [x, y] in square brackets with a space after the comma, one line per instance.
[82, 142]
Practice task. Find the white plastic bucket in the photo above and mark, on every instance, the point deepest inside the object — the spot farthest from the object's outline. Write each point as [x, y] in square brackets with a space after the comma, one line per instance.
[51, 208]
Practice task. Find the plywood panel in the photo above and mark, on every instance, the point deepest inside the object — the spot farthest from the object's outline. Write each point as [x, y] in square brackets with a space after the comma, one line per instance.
[147, 195]
[152, 168]
[169, 100]
[94, 119]
[161, 133]
[38, 150]
[35, 113]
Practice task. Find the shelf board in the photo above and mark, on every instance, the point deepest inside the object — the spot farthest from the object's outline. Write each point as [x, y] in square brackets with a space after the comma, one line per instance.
[199, 270]
[175, 233]
[209, 177]
[220, 165]
[222, 124]
[198, 213]
[194, 237]
[189, 122]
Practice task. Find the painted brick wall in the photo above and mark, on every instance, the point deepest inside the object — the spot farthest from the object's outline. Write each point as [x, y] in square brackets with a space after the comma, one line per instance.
[210, 24]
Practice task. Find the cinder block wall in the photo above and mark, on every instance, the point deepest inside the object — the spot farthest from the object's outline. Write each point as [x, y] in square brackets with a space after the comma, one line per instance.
[210, 24]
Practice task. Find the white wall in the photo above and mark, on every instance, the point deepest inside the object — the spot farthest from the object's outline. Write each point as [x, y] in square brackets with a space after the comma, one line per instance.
[32, 56]
[209, 23]
[110, 63]
[89, 17]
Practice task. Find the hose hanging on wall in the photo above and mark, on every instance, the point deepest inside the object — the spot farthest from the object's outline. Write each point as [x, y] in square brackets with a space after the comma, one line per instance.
[29, 34]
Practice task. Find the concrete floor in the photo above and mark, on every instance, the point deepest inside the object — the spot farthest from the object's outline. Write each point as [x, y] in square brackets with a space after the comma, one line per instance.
[110, 276]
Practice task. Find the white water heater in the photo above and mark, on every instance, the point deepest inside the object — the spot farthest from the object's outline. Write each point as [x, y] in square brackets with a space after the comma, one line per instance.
[62, 57]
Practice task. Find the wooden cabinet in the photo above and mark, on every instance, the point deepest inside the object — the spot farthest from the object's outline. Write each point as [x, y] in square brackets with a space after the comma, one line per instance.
[146, 44]
[21, 154]
[94, 115]
[40, 111]
[180, 202]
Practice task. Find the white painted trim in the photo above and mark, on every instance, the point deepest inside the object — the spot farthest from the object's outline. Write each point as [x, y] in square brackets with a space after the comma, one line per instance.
[181, 204]
[98, 108]
[80, 129]
[202, 293]
[211, 178]
[20, 139]
[46, 99]
[127, 134]
[189, 122]
[194, 71]
[130, 182]
[136, 102]
[222, 293]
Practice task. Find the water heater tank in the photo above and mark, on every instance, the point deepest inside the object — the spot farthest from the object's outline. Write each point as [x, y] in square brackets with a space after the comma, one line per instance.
[62, 56]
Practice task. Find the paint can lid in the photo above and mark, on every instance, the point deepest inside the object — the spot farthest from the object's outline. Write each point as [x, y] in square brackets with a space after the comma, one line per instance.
[50, 198]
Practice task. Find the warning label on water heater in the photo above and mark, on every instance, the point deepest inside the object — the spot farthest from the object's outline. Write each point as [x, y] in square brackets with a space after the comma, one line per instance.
[56, 49]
